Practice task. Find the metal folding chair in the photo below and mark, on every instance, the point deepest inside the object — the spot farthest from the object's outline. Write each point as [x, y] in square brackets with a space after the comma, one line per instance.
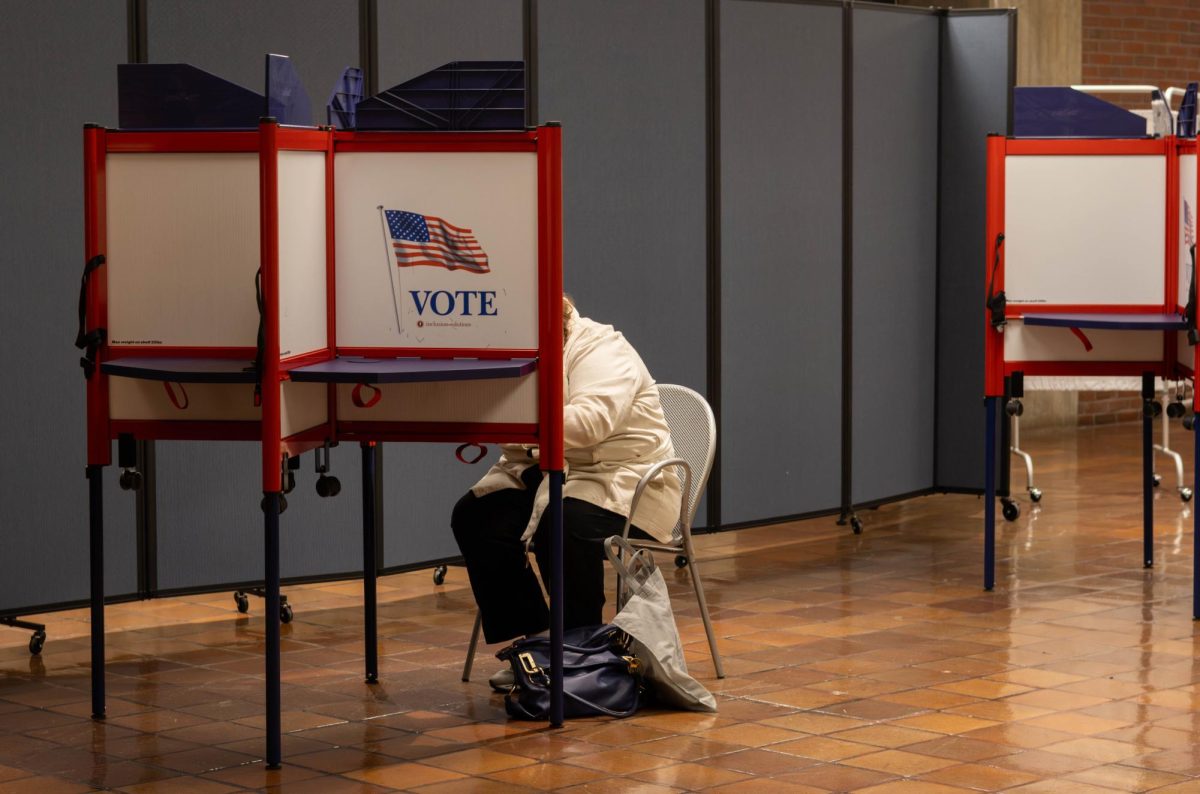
[694, 436]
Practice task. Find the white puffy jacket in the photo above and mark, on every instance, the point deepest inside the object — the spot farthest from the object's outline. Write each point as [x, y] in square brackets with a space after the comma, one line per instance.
[613, 432]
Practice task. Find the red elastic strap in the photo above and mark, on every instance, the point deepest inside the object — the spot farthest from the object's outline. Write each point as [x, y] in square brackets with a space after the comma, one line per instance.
[1087, 343]
[458, 453]
[356, 395]
[175, 398]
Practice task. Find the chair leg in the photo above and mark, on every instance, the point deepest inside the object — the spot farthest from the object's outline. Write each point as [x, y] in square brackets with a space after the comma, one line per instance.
[708, 629]
[466, 676]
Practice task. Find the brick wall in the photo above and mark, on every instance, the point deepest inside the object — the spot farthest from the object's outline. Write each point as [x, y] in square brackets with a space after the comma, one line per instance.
[1154, 42]
[1112, 407]
[1109, 407]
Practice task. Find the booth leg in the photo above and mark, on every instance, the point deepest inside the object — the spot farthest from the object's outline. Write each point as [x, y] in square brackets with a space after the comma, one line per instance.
[370, 567]
[1196, 529]
[271, 618]
[989, 496]
[1148, 469]
[1004, 486]
[95, 477]
[556, 599]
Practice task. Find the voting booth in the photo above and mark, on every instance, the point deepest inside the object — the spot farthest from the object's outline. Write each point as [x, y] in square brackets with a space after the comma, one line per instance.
[296, 287]
[1091, 271]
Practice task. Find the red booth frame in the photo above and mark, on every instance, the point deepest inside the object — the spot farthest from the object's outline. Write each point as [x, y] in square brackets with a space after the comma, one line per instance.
[996, 366]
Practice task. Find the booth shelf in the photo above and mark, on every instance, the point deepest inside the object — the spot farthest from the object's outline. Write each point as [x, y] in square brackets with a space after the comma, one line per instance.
[182, 370]
[411, 370]
[1119, 322]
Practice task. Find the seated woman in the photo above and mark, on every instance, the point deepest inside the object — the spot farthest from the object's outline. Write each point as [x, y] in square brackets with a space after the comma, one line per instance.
[613, 432]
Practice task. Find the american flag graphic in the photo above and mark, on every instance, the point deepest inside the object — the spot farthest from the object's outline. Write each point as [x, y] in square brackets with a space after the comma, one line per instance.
[425, 240]
[1189, 225]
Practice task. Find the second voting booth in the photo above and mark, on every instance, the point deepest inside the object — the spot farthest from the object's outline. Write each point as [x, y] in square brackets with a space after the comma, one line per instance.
[1090, 271]
[296, 287]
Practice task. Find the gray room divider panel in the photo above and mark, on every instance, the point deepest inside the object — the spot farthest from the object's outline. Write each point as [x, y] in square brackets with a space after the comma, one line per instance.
[210, 527]
[632, 104]
[230, 38]
[781, 257]
[894, 250]
[976, 87]
[423, 481]
[416, 36]
[59, 63]
[209, 523]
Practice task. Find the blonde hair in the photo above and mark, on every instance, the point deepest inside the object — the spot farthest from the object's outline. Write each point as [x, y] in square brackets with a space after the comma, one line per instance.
[567, 308]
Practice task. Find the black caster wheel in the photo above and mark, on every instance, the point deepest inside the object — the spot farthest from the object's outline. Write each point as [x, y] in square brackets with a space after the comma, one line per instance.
[243, 602]
[131, 480]
[282, 503]
[1035, 494]
[856, 524]
[1014, 407]
[285, 613]
[1185, 494]
[328, 486]
[680, 561]
[1175, 410]
[1157, 479]
[439, 574]
[1151, 409]
[36, 642]
[1189, 421]
[1011, 511]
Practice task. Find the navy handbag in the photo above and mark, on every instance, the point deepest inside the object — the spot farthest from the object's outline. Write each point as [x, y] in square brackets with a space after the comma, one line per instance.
[600, 675]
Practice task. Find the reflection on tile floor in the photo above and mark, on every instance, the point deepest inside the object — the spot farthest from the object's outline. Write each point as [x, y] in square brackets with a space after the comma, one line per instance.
[869, 663]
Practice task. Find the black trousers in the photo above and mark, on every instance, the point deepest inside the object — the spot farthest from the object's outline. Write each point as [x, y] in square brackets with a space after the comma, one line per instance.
[488, 530]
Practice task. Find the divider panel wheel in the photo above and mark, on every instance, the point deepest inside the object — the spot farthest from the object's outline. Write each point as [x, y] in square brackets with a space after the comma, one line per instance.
[36, 642]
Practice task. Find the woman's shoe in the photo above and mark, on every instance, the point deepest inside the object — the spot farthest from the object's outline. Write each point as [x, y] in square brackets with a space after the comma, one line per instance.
[504, 681]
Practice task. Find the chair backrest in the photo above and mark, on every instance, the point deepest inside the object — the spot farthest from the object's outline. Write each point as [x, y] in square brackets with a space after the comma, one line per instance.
[694, 436]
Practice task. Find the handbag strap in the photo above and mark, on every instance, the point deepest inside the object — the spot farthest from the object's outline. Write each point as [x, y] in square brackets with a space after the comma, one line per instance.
[601, 639]
[634, 572]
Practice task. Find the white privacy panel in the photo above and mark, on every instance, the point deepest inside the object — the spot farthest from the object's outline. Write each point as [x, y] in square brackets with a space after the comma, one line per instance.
[499, 400]
[303, 405]
[134, 398]
[1187, 222]
[436, 249]
[1048, 343]
[183, 248]
[1083, 229]
[302, 272]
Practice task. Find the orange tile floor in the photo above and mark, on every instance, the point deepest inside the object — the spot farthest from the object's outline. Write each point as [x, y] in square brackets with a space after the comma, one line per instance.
[870, 663]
